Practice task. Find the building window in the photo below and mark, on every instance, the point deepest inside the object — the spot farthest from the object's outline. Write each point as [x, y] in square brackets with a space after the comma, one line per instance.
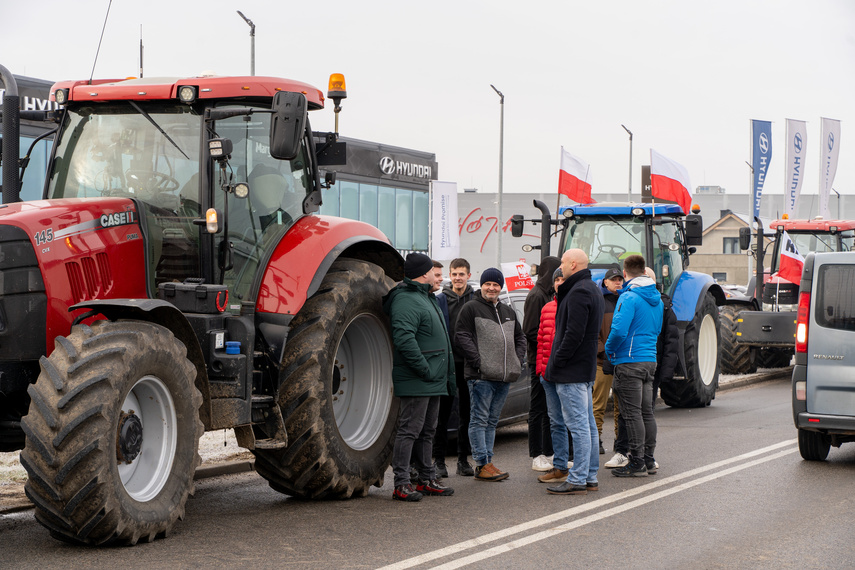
[731, 245]
[720, 277]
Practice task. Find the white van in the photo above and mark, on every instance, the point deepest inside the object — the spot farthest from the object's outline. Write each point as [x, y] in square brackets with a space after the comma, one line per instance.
[824, 375]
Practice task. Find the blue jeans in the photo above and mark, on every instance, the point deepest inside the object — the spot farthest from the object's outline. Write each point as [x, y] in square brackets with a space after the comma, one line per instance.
[577, 407]
[560, 443]
[486, 401]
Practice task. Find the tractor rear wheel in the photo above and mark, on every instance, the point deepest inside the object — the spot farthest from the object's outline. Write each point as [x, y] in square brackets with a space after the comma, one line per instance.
[702, 352]
[335, 390]
[736, 358]
[112, 435]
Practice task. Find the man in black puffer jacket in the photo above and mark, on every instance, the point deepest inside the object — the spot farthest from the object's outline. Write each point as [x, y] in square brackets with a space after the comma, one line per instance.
[572, 368]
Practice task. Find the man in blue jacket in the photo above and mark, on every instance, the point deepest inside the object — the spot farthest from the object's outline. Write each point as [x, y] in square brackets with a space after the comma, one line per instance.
[572, 367]
[631, 347]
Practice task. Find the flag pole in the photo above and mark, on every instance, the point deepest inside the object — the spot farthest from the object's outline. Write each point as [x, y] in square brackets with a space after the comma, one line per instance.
[560, 164]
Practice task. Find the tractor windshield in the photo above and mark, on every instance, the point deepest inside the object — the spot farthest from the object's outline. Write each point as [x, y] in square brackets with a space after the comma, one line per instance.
[606, 240]
[819, 242]
[149, 152]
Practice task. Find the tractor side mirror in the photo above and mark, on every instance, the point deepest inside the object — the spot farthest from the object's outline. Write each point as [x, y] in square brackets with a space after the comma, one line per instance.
[694, 230]
[517, 225]
[287, 125]
[744, 238]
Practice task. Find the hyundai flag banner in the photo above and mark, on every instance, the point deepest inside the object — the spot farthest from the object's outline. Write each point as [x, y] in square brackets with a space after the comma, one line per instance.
[445, 237]
[795, 173]
[829, 147]
[761, 155]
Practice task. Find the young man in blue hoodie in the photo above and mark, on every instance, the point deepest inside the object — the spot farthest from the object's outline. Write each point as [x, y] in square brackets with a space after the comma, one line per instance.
[631, 347]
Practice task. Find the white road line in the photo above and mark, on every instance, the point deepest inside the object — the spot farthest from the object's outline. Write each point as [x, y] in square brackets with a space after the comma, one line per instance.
[503, 548]
[599, 503]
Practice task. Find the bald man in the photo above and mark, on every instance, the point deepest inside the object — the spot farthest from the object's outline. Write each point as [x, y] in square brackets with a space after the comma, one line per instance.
[572, 368]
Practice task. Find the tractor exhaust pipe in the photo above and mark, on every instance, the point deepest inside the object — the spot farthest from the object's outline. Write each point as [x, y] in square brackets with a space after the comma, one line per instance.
[11, 143]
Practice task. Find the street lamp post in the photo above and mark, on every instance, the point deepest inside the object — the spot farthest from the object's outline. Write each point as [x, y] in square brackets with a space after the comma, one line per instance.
[629, 195]
[251, 42]
[501, 170]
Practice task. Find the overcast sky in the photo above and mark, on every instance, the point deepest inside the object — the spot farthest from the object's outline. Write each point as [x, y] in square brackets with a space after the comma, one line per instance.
[686, 77]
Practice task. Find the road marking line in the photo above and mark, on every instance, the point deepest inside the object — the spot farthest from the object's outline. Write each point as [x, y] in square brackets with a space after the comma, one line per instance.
[543, 535]
[548, 519]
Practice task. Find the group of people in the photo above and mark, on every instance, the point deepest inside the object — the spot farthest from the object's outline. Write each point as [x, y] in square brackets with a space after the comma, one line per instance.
[583, 339]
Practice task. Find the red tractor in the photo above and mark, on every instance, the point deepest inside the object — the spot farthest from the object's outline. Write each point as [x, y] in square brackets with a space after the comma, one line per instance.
[175, 280]
[759, 329]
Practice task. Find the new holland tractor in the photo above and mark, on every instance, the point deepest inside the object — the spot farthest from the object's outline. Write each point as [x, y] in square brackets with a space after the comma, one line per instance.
[175, 279]
[608, 233]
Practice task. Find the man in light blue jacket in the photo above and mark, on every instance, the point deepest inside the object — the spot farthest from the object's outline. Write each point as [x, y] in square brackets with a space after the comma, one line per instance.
[631, 347]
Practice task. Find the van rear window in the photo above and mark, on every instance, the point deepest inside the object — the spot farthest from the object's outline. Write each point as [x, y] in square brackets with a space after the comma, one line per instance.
[835, 297]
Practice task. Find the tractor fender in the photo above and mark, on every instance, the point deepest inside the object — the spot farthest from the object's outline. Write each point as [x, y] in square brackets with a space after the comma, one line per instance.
[689, 293]
[164, 314]
[308, 249]
[686, 301]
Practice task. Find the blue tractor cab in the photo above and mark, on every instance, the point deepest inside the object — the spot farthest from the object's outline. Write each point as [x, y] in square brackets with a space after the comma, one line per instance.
[610, 232]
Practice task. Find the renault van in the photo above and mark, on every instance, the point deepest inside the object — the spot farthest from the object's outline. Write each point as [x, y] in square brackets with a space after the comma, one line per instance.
[824, 374]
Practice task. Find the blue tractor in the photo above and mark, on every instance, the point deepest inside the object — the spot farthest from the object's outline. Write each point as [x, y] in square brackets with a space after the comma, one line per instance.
[608, 233]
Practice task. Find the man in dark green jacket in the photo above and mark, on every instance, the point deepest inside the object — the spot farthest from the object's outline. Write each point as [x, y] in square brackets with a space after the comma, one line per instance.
[422, 371]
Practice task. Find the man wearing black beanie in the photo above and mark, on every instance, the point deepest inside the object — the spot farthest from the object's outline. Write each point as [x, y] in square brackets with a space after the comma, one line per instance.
[422, 371]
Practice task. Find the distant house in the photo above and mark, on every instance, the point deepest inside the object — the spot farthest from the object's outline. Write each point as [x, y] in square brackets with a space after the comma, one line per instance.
[720, 255]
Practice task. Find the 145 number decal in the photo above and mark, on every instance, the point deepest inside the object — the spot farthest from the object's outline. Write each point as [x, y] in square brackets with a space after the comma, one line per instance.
[43, 237]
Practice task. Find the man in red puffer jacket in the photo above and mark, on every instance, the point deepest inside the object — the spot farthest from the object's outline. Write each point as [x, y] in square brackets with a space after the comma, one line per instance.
[560, 442]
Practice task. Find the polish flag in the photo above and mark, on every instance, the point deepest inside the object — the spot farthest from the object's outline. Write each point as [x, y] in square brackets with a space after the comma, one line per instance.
[574, 180]
[792, 262]
[670, 181]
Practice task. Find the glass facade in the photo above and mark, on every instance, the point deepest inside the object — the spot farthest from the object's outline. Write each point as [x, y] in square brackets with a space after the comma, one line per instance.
[401, 214]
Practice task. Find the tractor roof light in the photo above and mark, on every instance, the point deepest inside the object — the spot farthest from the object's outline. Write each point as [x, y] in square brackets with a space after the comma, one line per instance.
[638, 211]
[696, 208]
[785, 217]
[220, 149]
[568, 213]
[337, 89]
[187, 93]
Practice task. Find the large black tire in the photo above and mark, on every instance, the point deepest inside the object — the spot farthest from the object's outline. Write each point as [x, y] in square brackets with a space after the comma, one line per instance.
[736, 358]
[774, 357]
[335, 390]
[702, 344]
[112, 377]
[813, 446]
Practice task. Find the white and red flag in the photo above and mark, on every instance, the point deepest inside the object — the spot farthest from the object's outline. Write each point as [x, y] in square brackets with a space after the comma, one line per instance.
[574, 179]
[669, 180]
[517, 275]
[792, 262]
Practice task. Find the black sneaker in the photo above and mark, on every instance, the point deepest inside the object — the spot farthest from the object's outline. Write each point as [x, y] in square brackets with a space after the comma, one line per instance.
[406, 493]
[464, 469]
[652, 466]
[631, 469]
[602, 449]
[434, 488]
[592, 486]
[441, 470]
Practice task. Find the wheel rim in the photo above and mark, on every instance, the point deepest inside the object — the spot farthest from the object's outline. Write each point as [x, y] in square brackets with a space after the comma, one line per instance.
[362, 382]
[150, 400]
[707, 350]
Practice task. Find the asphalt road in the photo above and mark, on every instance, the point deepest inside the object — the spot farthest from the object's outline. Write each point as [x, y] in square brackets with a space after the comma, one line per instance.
[732, 492]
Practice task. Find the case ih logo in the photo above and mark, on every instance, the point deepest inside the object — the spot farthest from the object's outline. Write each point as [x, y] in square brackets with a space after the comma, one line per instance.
[387, 165]
[390, 166]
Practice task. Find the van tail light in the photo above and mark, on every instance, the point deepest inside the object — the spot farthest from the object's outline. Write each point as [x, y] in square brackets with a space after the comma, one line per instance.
[802, 322]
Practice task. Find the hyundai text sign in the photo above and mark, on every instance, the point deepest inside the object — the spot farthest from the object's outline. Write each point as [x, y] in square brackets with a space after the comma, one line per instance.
[389, 167]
